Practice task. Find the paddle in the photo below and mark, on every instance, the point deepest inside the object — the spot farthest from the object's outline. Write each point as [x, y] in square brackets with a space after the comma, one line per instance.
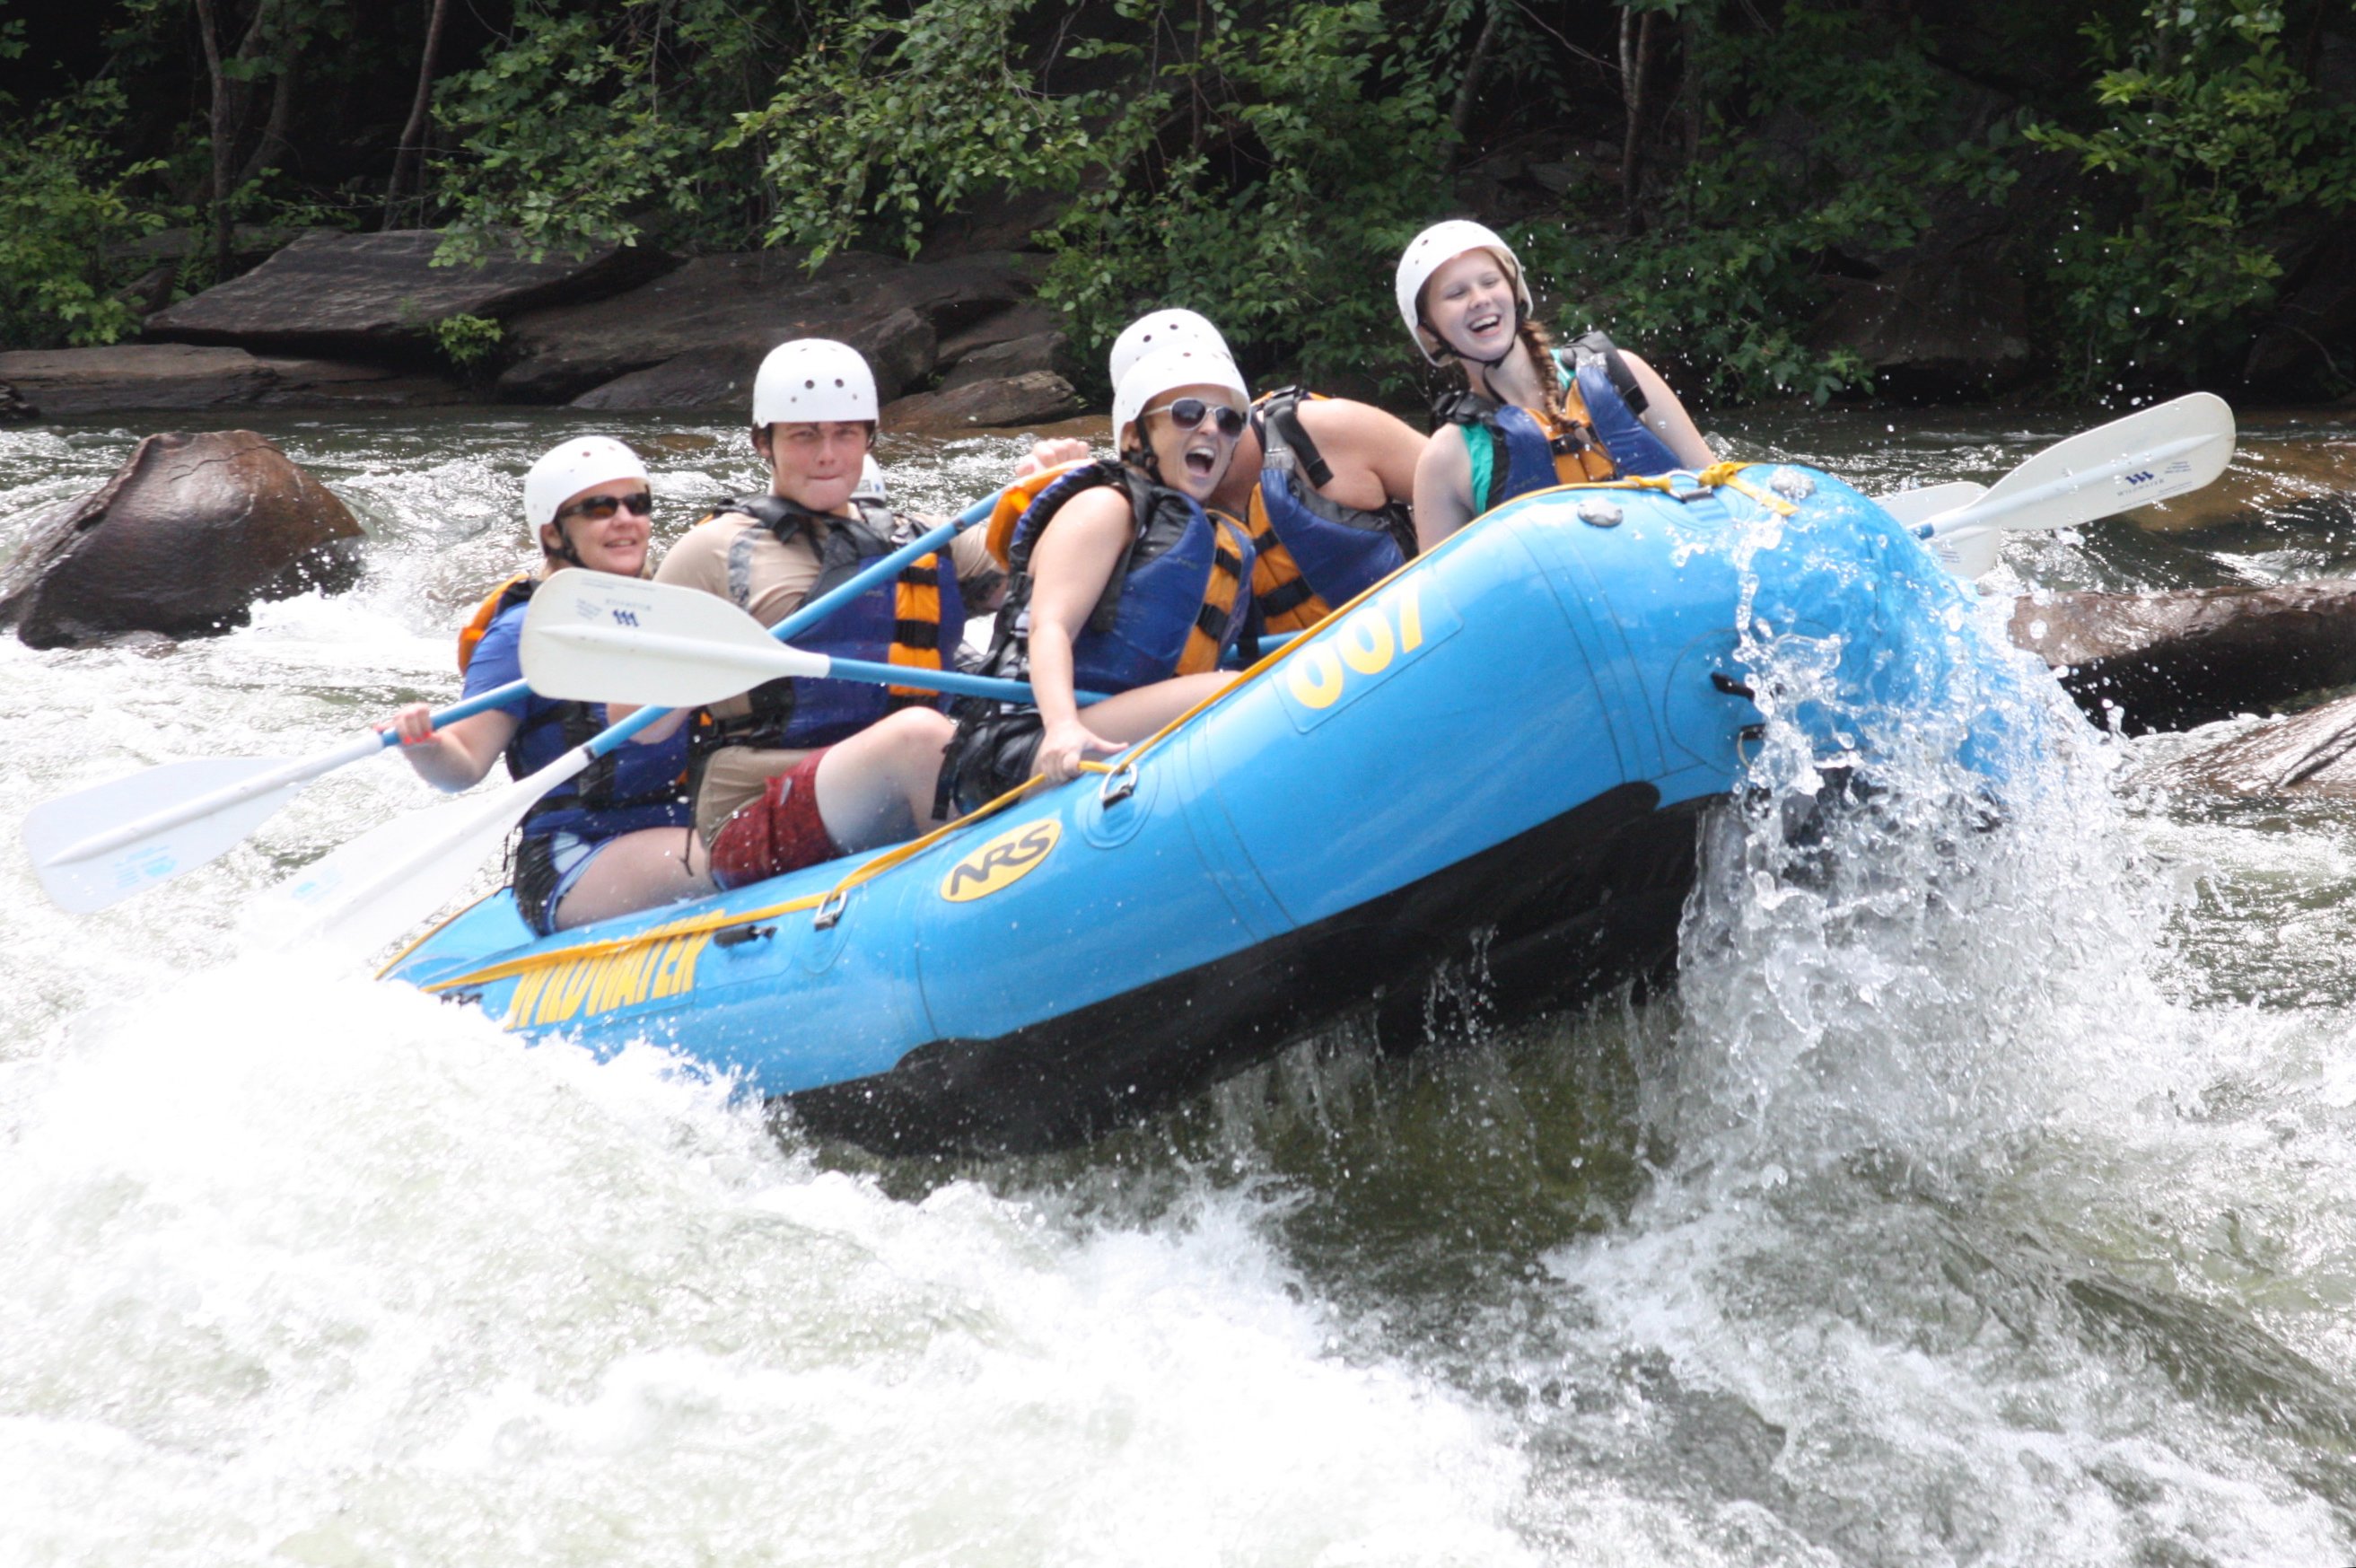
[360, 897]
[97, 846]
[2166, 450]
[628, 640]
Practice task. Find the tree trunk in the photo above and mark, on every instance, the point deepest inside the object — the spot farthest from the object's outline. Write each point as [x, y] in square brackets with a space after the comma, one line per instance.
[283, 91]
[409, 157]
[1468, 89]
[223, 136]
[1635, 63]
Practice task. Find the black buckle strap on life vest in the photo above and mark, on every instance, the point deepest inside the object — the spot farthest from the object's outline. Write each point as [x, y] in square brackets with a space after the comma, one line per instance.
[1460, 406]
[1281, 409]
[1590, 346]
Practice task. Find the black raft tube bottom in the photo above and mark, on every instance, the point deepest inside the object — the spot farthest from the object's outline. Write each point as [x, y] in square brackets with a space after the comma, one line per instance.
[1568, 910]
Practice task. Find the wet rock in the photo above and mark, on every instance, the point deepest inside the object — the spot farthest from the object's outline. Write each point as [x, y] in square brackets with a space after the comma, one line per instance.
[66, 382]
[1047, 352]
[181, 541]
[2172, 660]
[14, 408]
[1026, 319]
[717, 314]
[129, 376]
[899, 348]
[2312, 481]
[372, 294]
[1032, 398]
[1933, 326]
[2313, 753]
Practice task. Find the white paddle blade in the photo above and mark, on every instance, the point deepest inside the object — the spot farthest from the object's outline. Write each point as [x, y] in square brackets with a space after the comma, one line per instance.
[1921, 505]
[2165, 451]
[84, 863]
[357, 898]
[1969, 554]
[590, 636]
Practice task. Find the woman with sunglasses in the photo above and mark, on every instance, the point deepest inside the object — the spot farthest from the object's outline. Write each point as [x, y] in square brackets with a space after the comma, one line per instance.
[1322, 484]
[615, 839]
[1531, 416]
[1123, 583]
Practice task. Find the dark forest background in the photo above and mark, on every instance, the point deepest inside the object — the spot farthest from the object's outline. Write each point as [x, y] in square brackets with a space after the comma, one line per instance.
[2071, 201]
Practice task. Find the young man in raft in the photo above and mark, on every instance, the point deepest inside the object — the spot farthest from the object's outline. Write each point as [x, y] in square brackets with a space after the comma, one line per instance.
[615, 839]
[1321, 483]
[798, 771]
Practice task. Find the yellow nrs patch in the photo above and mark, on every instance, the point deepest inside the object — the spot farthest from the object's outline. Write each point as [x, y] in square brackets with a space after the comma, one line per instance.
[1002, 861]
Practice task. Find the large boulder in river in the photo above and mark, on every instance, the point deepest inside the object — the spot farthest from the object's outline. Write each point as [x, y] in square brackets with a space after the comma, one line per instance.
[2313, 753]
[709, 321]
[370, 293]
[1034, 397]
[2168, 661]
[181, 541]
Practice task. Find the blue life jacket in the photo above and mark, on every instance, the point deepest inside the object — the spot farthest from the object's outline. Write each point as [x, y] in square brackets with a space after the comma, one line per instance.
[1598, 437]
[1174, 604]
[629, 787]
[915, 618]
[1310, 553]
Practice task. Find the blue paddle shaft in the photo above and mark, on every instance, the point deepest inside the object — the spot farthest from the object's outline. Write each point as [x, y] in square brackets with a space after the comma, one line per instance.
[505, 696]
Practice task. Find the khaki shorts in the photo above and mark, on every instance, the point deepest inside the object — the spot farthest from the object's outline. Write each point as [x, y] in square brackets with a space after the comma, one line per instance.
[734, 780]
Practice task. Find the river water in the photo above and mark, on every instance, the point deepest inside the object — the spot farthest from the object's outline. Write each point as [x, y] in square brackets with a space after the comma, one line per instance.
[1976, 1196]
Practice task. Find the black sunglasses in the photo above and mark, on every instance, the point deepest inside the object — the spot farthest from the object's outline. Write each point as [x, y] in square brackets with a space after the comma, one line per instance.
[597, 509]
[1188, 411]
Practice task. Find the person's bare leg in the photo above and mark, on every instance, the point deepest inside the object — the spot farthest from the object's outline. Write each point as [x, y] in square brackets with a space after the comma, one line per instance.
[877, 786]
[1133, 716]
[637, 871]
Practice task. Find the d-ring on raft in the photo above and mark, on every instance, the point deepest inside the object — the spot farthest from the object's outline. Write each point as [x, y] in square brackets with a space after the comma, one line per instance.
[1509, 742]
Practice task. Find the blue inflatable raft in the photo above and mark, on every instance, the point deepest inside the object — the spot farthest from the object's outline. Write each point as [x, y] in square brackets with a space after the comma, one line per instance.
[1506, 747]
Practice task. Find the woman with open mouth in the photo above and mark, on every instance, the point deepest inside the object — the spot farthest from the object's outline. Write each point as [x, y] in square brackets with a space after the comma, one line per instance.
[1124, 584]
[1531, 415]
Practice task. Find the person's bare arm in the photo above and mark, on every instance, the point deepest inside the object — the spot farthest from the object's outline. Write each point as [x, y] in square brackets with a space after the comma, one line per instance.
[1073, 561]
[1443, 487]
[1665, 417]
[1373, 451]
[456, 756]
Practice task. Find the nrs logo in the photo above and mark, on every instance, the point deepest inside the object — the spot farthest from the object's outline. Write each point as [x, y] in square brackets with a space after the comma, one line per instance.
[1003, 861]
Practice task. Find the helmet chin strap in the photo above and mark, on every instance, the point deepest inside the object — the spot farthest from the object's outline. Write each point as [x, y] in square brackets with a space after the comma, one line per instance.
[565, 551]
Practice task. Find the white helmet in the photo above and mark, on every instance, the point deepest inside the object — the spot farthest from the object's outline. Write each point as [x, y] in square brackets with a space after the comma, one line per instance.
[571, 467]
[812, 379]
[871, 480]
[1193, 364]
[1434, 249]
[1159, 330]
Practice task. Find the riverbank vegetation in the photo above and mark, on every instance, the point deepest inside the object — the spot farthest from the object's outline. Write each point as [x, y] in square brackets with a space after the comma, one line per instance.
[1777, 198]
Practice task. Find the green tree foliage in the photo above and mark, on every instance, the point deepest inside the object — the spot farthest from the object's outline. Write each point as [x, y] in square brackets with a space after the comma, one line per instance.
[2209, 137]
[590, 125]
[1263, 167]
[66, 214]
[1825, 141]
